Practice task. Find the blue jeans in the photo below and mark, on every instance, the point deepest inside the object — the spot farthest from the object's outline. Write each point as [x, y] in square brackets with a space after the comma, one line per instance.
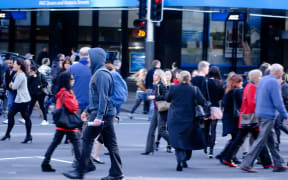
[11, 97]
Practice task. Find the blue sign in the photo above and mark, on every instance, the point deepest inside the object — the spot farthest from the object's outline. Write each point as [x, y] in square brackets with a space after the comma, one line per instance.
[259, 4]
[137, 61]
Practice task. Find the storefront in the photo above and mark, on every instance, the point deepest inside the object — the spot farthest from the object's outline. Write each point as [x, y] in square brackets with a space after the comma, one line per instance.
[191, 31]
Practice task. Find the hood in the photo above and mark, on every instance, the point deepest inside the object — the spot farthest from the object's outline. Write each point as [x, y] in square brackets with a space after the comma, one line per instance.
[60, 92]
[97, 58]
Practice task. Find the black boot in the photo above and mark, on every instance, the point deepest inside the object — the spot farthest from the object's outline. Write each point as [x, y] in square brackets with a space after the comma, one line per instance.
[157, 146]
[74, 174]
[169, 149]
[5, 137]
[185, 165]
[210, 154]
[179, 167]
[46, 167]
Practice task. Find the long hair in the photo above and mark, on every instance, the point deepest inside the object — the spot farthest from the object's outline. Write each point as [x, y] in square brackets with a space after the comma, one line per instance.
[214, 72]
[64, 80]
[232, 82]
[140, 75]
[162, 76]
[66, 60]
[22, 65]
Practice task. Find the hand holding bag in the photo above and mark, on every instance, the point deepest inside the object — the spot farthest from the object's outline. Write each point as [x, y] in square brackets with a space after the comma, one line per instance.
[63, 118]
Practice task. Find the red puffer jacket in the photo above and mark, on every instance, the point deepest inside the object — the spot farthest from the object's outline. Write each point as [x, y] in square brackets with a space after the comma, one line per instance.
[70, 102]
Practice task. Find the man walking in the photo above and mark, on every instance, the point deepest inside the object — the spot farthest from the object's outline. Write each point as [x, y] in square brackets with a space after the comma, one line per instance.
[102, 113]
[268, 100]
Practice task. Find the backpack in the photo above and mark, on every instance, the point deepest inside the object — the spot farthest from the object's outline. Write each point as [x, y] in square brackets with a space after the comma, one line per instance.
[119, 92]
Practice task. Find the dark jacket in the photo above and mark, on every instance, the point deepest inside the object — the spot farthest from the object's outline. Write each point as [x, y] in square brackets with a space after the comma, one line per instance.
[160, 91]
[100, 88]
[8, 79]
[230, 123]
[34, 82]
[216, 91]
[284, 90]
[55, 73]
[183, 128]
[82, 76]
[149, 78]
[41, 56]
[200, 82]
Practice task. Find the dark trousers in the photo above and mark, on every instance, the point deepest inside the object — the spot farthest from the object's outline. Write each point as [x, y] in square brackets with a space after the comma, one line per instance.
[280, 125]
[40, 98]
[151, 132]
[110, 142]
[23, 109]
[228, 145]
[239, 140]
[210, 132]
[74, 139]
[183, 155]
[137, 104]
[162, 126]
[146, 106]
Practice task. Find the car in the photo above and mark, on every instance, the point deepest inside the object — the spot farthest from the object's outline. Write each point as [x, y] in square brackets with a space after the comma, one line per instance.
[11, 55]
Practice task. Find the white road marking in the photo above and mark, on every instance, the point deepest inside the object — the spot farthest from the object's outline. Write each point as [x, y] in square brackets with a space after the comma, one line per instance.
[35, 157]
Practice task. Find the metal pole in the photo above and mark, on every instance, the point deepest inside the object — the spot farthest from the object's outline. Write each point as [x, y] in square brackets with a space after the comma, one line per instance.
[149, 44]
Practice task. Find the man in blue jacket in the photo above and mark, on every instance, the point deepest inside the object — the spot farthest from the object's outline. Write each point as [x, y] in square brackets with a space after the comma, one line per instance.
[82, 75]
[101, 114]
[268, 101]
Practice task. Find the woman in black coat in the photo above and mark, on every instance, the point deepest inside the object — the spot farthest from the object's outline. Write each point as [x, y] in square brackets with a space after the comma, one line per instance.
[184, 131]
[232, 99]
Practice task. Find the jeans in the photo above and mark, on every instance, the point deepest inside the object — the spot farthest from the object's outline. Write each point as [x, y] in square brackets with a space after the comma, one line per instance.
[183, 155]
[40, 98]
[266, 137]
[11, 97]
[74, 139]
[151, 133]
[23, 109]
[162, 126]
[108, 133]
[239, 140]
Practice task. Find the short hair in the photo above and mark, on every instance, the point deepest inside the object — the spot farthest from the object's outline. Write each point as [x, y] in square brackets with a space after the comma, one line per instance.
[276, 67]
[109, 66]
[60, 55]
[155, 62]
[45, 60]
[254, 74]
[117, 62]
[185, 77]
[84, 51]
[203, 64]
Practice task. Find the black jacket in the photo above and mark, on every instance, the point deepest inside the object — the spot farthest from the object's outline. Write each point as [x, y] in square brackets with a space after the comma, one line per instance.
[8, 79]
[36, 83]
[160, 91]
[284, 89]
[41, 56]
[149, 78]
[230, 123]
[184, 130]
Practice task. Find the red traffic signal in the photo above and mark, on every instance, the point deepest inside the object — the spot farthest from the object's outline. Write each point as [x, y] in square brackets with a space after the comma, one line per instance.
[156, 10]
[140, 28]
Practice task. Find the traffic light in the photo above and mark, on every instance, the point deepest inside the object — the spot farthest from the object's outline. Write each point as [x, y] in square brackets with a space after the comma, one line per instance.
[156, 10]
[140, 28]
[142, 9]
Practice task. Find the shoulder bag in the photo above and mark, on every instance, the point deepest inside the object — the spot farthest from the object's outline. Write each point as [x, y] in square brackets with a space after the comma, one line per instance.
[45, 90]
[208, 104]
[248, 120]
[63, 118]
[199, 110]
[236, 109]
[162, 105]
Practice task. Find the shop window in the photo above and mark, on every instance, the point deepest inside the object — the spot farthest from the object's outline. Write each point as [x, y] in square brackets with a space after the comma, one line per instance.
[22, 32]
[110, 34]
[4, 46]
[252, 48]
[192, 33]
[43, 18]
[4, 28]
[24, 22]
[216, 42]
[22, 48]
[132, 15]
[39, 47]
[42, 33]
[84, 34]
[110, 19]
[85, 18]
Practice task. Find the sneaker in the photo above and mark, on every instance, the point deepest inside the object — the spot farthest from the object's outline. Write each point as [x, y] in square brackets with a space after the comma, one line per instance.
[44, 123]
[22, 121]
[5, 121]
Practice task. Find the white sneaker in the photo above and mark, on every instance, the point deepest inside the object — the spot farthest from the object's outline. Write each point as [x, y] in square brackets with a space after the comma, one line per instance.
[22, 121]
[44, 123]
[5, 121]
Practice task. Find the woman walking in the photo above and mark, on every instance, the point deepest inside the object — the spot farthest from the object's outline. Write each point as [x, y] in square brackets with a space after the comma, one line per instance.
[232, 103]
[66, 97]
[21, 102]
[184, 130]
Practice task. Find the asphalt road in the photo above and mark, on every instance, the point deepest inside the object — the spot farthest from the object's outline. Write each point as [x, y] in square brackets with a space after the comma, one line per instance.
[22, 161]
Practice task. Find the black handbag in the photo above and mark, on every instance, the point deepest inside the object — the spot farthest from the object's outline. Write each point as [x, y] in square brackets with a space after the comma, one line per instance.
[208, 104]
[236, 109]
[63, 118]
[199, 110]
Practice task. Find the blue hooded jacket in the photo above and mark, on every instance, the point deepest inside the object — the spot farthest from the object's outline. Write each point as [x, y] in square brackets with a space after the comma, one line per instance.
[82, 75]
[100, 87]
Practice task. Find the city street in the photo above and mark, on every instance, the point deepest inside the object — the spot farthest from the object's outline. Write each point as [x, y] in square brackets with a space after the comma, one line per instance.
[22, 161]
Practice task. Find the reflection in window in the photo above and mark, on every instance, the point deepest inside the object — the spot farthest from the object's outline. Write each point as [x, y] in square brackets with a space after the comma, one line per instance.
[3, 46]
[42, 33]
[22, 32]
[253, 51]
[216, 42]
[84, 34]
[85, 18]
[22, 48]
[110, 34]
[4, 28]
[43, 18]
[109, 18]
[192, 32]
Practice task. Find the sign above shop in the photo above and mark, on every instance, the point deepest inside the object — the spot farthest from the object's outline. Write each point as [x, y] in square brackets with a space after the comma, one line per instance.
[259, 4]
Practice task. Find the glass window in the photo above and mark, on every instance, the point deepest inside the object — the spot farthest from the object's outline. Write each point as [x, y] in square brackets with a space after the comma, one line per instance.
[110, 34]
[43, 18]
[132, 15]
[4, 28]
[22, 32]
[216, 42]
[3, 46]
[24, 22]
[83, 45]
[252, 45]
[42, 33]
[110, 19]
[192, 32]
[85, 18]
[39, 47]
[84, 34]
[22, 48]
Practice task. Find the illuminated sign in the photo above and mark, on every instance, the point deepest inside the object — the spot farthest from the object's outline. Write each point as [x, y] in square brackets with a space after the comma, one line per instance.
[233, 17]
[3, 15]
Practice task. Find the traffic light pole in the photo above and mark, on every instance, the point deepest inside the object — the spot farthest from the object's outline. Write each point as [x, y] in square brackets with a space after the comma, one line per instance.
[149, 44]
